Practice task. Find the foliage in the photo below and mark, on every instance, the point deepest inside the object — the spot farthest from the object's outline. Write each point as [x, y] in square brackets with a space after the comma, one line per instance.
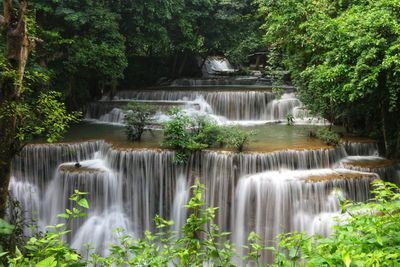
[200, 242]
[366, 236]
[83, 46]
[289, 119]
[43, 116]
[6, 230]
[49, 249]
[277, 92]
[343, 57]
[137, 117]
[237, 138]
[177, 135]
[12, 231]
[206, 131]
[328, 136]
[187, 135]
[236, 29]
[88, 45]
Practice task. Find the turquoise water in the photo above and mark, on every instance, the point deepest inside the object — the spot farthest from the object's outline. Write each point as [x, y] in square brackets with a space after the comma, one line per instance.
[267, 138]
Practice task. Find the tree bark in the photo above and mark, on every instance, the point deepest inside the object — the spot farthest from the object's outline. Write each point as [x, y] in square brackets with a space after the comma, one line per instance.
[175, 62]
[17, 50]
[382, 84]
[384, 130]
[5, 171]
[202, 64]
[397, 148]
[183, 64]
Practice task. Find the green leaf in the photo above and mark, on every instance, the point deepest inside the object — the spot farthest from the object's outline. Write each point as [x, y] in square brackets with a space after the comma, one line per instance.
[48, 262]
[63, 215]
[346, 260]
[5, 228]
[83, 203]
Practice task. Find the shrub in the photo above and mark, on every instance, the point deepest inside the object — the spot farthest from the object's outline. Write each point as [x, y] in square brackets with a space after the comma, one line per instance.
[277, 92]
[48, 248]
[137, 117]
[368, 236]
[200, 242]
[207, 132]
[328, 136]
[177, 135]
[238, 138]
[186, 134]
[12, 231]
[289, 119]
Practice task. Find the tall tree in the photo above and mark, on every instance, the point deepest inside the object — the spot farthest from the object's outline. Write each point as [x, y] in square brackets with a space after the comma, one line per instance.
[84, 46]
[344, 58]
[17, 46]
[23, 112]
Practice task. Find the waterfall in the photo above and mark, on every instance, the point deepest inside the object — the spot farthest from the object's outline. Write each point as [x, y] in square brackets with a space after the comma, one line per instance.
[224, 106]
[36, 164]
[179, 212]
[386, 169]
[274, 202]
[149, 178]
[129, 187]
[361, 149]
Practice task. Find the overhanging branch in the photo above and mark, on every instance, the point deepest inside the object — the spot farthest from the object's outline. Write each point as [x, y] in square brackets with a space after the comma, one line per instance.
[2, 21]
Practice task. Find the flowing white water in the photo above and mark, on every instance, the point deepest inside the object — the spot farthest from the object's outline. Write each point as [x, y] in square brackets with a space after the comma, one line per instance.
[265, 192]
[273, 202]
[386, 169]
[179, 211]
[224, 107]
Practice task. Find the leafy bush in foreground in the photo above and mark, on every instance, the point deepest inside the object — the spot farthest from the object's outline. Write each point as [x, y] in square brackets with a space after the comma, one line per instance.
[367, 236]
[48, 249]
[201, 242]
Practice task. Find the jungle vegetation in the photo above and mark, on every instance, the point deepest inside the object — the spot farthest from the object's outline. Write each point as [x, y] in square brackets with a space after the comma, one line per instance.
[343, 57]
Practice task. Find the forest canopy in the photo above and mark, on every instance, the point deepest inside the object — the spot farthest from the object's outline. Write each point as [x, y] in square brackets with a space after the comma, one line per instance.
[344, 59]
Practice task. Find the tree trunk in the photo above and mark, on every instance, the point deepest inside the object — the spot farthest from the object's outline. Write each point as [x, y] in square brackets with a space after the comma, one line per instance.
[384, 130]
[5, 169]
[113, 90]
[258, 60]
[202, 64]
[397, 148]
[183, 64]
[16, 53]
[383, 109]
[71, 93]
[173, 71]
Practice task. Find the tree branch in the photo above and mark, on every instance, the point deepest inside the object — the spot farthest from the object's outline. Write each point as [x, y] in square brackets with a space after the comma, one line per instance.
[2, 21]
[7, 8]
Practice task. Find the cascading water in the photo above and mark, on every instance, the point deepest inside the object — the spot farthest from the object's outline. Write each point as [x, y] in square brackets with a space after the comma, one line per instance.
[179, 212]
[266, 192]
[225, 107]
[129, 187]
[274, 202]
